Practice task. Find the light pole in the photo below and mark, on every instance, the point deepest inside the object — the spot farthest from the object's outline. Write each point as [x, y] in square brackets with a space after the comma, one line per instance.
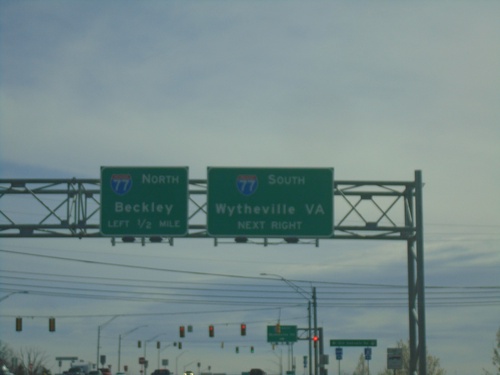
[280, 357]
[160, 350]
[311, 298]
[99, 337]
[145, 344]
[120, 343]
[177, 359]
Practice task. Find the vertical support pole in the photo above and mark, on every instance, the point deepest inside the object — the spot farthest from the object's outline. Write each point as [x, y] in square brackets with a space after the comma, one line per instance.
[310, 340]
[315, 308]
[98, 345]
[422, 347]
[321, 352]
[412, 282]
[412, 307]
[119, 352]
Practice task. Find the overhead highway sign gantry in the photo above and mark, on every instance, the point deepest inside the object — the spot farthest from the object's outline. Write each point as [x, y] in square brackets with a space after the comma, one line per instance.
[364, 210]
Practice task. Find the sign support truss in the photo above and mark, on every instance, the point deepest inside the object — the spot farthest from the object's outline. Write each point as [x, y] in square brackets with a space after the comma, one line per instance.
[363, 210]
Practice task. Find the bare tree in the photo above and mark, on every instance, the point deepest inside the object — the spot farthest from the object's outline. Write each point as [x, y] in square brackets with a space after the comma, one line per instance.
[33, 361]
[6, 356]
[496, 357]
[362, 367]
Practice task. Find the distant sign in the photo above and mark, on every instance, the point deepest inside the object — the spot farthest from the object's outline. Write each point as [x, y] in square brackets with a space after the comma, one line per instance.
[394, 358]
[368, 354]
[270, 202]
[137, 201]
[353, 342]
[338, 353]
[281, 334]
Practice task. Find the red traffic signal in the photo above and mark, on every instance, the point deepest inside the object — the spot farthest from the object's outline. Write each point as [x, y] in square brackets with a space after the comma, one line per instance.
[315, 340]
[211, 331]
[243, 329]
[182, 331]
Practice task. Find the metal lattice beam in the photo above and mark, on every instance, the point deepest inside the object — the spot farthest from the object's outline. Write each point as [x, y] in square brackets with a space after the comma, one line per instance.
[70, 208]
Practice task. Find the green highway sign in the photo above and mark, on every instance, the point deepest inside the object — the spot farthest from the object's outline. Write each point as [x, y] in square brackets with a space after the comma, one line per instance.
[144, 201]
[270, 202]
[340, 343]
[280, 333]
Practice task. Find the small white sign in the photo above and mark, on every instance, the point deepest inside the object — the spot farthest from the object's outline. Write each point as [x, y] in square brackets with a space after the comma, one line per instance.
[394, 358]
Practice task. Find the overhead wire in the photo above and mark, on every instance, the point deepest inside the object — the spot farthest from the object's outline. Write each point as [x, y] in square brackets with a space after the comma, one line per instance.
[331, 294]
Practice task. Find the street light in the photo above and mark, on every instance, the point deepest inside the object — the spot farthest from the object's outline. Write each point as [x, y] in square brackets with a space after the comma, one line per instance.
[18, 292]
[280, 357]
[176, 360]
[99, 337]
[310, 297]
[146, 343]
[160, 350]
[120, 342]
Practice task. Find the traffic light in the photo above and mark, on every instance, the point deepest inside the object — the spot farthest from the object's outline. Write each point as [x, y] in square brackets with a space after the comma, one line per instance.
[251, 349]
[211, 330]
[182, 331]
[243, 329]
[277, 329]
[157, 345]
[237, 349]
[139, 344]
[179, 345]
[52, 324]
[315, 340]
[19, 324]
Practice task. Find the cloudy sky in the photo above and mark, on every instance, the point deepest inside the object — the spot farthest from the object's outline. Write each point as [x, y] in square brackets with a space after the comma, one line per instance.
[375, 90]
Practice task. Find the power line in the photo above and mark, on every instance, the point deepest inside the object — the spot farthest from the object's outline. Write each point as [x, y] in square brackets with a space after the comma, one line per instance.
[332, 294]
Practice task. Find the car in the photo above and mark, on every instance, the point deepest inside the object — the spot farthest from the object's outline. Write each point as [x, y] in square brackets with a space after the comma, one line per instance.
[188, 373]
[257, 371]
[95, 372]
[163, 371]
[118, 373]
[160, 372]
[75, 371]
[105, 371]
